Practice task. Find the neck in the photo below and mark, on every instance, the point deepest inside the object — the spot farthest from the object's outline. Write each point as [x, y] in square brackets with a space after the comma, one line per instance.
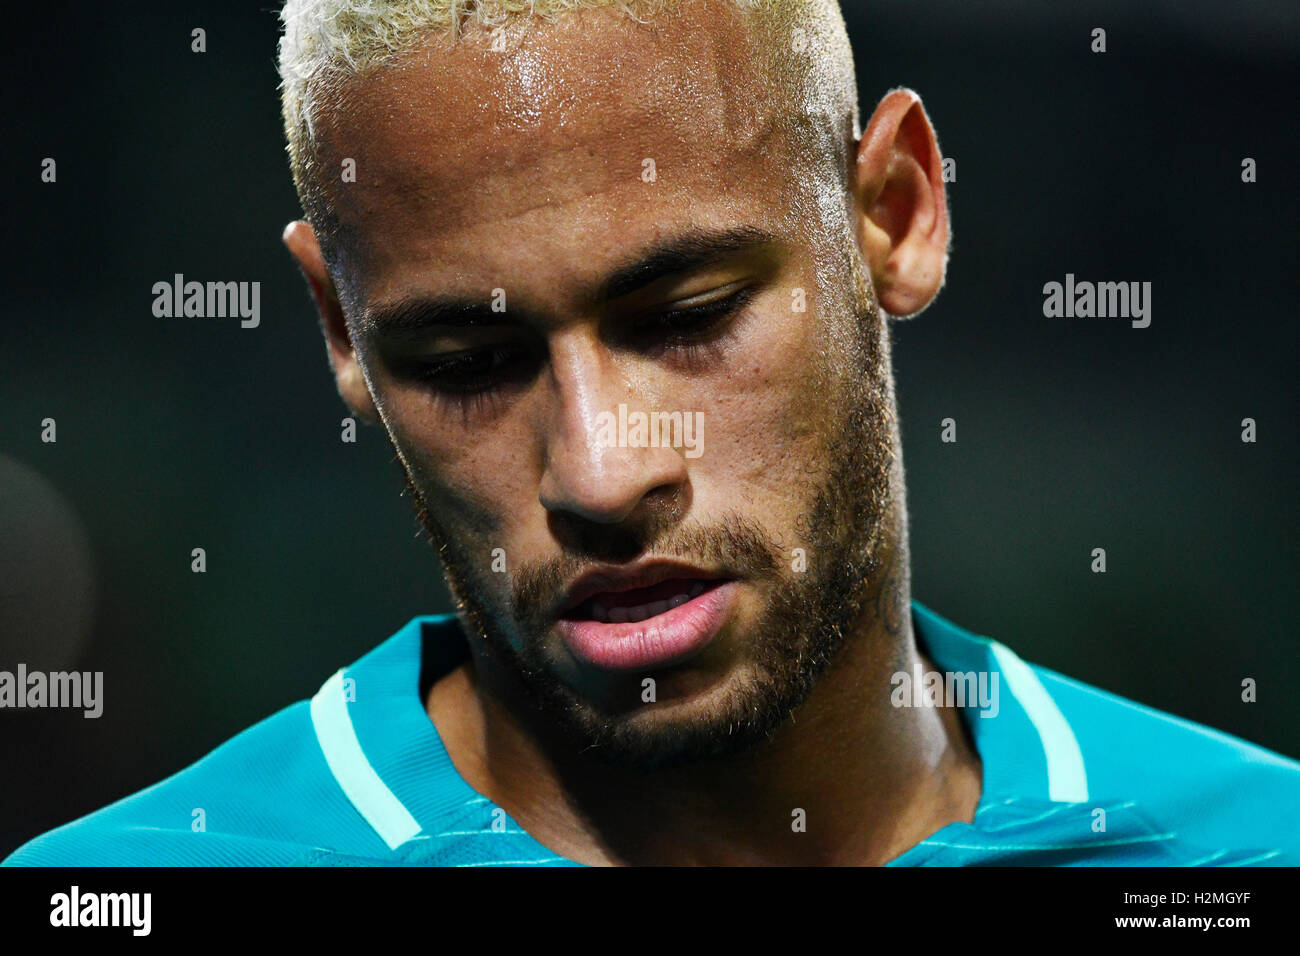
[847, 779]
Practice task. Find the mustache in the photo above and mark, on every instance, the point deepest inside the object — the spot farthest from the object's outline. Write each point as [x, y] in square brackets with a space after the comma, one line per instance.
[735, 546]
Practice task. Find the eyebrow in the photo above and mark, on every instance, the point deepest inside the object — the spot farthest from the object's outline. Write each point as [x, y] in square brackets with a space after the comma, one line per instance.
[690, 251]
[683, 253]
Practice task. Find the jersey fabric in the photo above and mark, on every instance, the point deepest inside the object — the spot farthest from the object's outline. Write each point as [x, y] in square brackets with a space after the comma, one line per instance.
[358, 776]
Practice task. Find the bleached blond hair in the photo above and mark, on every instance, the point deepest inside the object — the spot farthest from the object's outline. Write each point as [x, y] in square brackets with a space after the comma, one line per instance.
[326, 41]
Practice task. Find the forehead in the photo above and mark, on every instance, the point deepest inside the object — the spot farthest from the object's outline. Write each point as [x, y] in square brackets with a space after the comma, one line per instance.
[587, 132]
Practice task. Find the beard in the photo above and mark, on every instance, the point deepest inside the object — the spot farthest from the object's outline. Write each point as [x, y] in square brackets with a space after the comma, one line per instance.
[807, 617]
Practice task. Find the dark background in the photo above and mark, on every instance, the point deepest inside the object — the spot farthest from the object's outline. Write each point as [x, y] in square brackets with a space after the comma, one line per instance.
[1072, 433]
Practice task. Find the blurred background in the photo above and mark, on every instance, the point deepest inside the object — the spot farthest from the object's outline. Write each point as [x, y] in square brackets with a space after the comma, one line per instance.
[1072, 433]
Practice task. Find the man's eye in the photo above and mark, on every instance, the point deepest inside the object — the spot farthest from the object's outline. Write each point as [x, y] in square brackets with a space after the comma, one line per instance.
[685, 326]
[476, 370]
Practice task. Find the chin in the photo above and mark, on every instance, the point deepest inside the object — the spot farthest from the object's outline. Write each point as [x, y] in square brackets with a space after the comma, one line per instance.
[719, 717]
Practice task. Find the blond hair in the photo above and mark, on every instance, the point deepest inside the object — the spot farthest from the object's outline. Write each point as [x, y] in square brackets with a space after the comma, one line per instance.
[326, 41]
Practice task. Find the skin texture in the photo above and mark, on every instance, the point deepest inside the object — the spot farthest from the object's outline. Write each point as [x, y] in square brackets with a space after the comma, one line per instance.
[478, 171]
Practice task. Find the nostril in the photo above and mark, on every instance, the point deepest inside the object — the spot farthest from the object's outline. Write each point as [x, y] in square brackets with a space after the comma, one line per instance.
[611, 490]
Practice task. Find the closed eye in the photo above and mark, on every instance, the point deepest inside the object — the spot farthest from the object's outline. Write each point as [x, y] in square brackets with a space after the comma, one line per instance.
[482, 371]
[685, 328]
[478, 370]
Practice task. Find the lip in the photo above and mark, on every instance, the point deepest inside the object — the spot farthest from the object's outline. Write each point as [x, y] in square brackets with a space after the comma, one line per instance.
[668, 638]
[626, 579]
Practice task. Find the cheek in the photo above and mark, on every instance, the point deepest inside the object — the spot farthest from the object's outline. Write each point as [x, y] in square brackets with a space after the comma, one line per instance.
[474, 475]
[767, 419]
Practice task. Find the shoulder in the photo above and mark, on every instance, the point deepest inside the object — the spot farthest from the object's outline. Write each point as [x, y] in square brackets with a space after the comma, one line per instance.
[264, 797]
[1194, 792]
[1212, 788]
[302, 787]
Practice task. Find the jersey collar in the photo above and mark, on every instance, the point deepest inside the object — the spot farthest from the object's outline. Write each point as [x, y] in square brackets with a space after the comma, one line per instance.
[387, 757]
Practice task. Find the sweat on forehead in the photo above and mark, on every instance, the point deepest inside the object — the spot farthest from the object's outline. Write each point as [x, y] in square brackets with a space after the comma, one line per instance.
[499, 85]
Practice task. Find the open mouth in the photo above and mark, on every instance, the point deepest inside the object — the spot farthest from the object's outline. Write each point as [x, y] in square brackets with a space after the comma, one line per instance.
[614, 627]
[640, 604]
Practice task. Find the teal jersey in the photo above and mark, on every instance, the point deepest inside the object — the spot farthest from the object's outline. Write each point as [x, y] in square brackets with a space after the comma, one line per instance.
[357, 776]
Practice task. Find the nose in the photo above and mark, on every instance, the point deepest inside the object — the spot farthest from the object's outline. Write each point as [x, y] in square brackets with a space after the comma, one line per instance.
[589, 471]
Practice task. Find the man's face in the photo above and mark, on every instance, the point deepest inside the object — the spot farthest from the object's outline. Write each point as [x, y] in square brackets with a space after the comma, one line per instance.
[500, 199]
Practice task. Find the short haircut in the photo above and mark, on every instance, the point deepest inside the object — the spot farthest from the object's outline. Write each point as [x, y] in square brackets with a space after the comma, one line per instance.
[327, 41]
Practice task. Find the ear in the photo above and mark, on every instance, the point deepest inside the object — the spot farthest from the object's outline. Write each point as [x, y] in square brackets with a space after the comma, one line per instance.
[902, 206]
[300, 239]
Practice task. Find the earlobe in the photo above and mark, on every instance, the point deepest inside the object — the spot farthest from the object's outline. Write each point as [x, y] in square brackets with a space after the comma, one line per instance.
[902, 205]
[300, 239]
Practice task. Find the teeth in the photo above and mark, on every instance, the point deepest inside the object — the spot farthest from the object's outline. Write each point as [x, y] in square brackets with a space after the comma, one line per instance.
[640, 612]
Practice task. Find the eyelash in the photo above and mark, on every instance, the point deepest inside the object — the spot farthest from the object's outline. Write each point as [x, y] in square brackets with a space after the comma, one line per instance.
[683, 330]
[702, 321]
[443, 373]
